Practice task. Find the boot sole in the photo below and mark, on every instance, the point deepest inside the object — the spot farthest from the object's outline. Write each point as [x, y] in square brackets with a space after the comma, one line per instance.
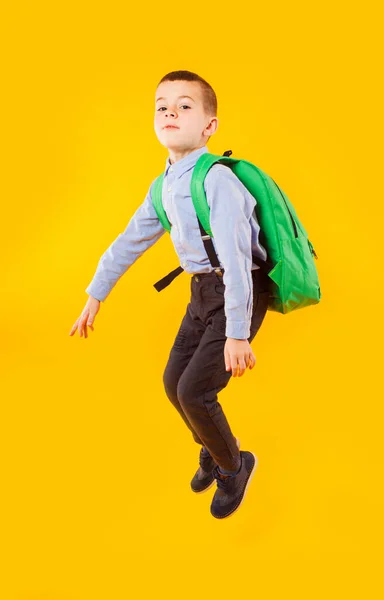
[245, 490]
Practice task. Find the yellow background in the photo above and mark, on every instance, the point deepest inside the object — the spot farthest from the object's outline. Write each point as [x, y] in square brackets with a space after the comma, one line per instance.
[95, 461]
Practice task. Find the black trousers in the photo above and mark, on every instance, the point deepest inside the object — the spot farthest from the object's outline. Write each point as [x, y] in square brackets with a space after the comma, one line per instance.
[195, 372]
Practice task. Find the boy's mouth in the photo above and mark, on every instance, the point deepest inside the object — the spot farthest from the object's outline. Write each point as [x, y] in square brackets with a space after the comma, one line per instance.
[170, 127]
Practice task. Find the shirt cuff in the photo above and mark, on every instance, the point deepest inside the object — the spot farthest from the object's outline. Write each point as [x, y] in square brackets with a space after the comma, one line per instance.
[98, 291]
[240, 330]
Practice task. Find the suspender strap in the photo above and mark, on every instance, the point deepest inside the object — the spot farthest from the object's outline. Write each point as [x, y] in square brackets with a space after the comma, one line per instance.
[165, 281]
[209, 248]
[265, 266]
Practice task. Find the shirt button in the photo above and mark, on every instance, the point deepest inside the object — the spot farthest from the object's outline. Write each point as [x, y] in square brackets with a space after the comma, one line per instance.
[171, 169]
[169, 188]
[184, 264]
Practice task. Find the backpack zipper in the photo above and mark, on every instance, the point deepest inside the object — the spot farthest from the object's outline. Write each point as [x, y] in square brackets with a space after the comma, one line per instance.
[289, 212]
[312, 250]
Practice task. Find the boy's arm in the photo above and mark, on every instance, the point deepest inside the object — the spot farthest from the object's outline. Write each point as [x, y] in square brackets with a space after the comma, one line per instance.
[231, 210]
[142, 231]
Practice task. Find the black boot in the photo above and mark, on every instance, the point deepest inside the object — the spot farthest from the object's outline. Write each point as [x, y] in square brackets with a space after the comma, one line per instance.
[203, 478]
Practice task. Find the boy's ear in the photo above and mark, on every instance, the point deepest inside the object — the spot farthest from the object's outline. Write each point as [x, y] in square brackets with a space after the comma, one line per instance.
[212, 125]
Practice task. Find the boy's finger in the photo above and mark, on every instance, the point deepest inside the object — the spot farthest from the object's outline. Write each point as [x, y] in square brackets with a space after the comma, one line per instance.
[80, 327]
[85, 327]
[242, 366]
[74, 327]
[227, 359]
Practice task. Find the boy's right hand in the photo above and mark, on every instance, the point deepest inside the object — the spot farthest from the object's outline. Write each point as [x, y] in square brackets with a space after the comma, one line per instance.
[87, 317]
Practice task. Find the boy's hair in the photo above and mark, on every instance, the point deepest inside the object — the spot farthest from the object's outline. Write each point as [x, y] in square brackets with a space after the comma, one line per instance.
[207, 92]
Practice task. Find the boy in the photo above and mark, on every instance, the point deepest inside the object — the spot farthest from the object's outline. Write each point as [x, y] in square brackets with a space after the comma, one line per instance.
[227, 305]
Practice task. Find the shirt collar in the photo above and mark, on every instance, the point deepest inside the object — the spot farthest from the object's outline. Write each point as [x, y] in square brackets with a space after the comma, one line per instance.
[184, 164]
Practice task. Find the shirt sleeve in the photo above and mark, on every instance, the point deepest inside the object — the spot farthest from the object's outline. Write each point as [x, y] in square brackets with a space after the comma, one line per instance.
[231, 208]
[142, 231]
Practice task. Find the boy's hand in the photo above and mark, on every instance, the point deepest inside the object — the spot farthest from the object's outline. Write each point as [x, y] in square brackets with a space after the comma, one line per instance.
[238, 356]
[87, 317]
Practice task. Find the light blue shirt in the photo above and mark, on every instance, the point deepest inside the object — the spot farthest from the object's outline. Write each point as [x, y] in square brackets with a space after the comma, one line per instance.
[235, 237]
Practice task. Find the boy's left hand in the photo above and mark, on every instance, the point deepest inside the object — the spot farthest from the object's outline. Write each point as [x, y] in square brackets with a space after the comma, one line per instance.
[238, 356]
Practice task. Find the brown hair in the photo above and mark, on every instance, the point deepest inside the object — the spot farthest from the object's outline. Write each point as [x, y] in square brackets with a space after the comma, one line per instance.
[208, 94]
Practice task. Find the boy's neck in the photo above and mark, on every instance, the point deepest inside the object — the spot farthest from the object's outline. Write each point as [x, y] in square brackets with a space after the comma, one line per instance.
[175, 155]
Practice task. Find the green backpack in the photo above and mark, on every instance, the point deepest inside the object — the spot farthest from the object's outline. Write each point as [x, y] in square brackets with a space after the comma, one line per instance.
[290, 265]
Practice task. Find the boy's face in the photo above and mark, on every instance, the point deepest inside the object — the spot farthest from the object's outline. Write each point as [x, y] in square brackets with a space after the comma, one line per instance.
[192, 125]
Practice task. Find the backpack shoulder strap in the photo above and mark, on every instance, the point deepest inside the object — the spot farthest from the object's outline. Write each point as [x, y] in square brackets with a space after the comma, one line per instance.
[199, 199]
[157, 202]
[203, 164]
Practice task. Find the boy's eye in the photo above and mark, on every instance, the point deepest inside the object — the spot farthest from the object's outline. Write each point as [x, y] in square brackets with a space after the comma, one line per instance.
[186, 106]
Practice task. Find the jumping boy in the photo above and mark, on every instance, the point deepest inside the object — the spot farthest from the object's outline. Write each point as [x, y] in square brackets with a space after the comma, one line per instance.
[227, 305]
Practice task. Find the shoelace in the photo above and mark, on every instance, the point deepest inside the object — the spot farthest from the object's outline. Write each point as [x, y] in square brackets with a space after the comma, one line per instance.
[221, 483]
[204, 459]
